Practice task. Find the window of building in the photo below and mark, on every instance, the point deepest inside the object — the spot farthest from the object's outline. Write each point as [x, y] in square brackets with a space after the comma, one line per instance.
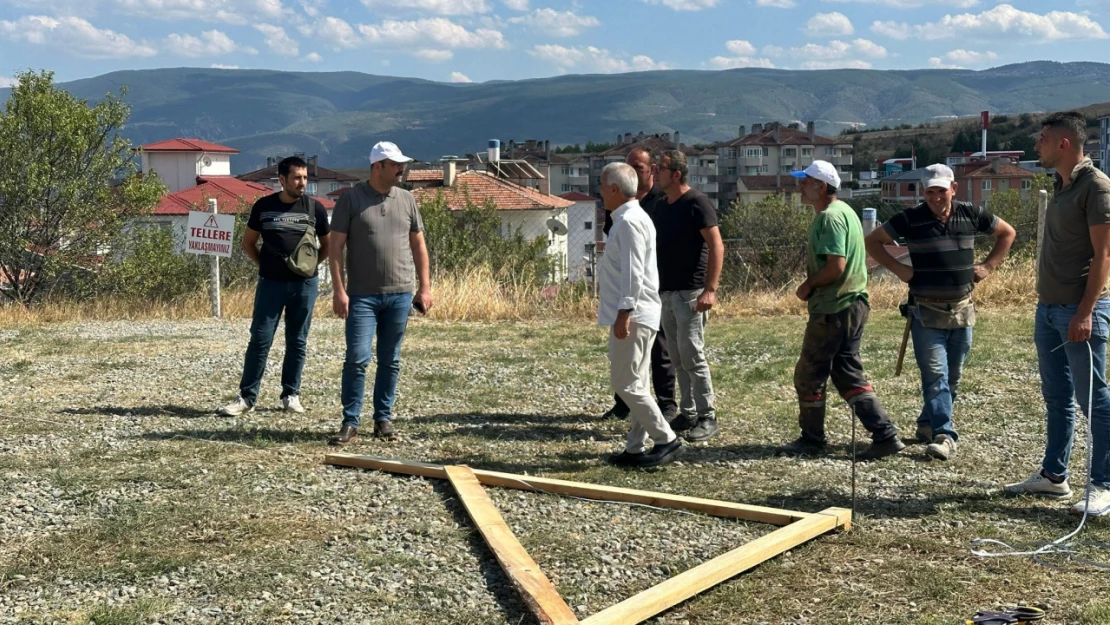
[589, 225]
[333, 187]
[763, 169]
[829, 152]
[790, 152]
[807, 151]
[754, 153]
[566, 187]
[730, 153]
[312, 188]
[583, 171]
[785, 169]
[731, 171]
[986, 184]
[1026, 184]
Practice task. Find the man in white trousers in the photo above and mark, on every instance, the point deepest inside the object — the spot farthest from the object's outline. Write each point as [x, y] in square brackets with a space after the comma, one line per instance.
[629, 305]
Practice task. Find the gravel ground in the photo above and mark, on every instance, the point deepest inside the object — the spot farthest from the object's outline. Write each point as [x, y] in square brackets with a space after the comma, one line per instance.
[124, 499]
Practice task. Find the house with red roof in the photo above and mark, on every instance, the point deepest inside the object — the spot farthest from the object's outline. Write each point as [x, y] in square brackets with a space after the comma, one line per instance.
[179, 161]
[525, 209]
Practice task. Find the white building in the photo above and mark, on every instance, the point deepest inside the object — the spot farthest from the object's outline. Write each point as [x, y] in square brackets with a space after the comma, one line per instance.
[582, 218]
[178, 162]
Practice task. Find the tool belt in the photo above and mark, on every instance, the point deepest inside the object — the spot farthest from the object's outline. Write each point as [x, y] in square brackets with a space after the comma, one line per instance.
[943, 315]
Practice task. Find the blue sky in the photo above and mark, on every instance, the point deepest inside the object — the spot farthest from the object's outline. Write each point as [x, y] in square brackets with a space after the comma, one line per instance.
[479, 40]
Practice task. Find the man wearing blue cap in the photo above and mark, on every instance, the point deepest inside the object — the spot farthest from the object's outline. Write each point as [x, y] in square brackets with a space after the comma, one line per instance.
[836, 293]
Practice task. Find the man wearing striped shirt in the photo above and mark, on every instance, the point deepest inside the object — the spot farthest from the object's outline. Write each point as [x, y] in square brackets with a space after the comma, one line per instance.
[940, 233]
[630, 306]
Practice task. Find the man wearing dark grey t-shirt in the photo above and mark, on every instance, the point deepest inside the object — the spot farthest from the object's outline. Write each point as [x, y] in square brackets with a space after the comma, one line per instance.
[379, 225]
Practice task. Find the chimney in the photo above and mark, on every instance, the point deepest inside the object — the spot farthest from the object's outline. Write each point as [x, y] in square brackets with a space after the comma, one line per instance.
[448, 172]
[628, 137]
[667, 137]
[620, 139]
[677, 141]
[743, 132]
[547, 149]
[512, 147]
[757, 129]
[640, 136]
[315, 167]
[777, 132]
[996, 165]
[809, 130]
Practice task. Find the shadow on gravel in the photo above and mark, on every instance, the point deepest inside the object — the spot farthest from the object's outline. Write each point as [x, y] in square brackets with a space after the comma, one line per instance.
[167, 410]
[707, 452]
[521, 427]
[248, 436]
[512, 606]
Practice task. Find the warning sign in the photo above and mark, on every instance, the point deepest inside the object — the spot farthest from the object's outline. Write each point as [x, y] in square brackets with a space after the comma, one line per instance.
[210, 234]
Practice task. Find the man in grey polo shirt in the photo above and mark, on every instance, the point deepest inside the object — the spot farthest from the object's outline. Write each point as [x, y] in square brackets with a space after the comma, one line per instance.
[379, 225]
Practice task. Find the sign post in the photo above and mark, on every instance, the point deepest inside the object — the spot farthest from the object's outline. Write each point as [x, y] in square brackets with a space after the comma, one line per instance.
[211, 234]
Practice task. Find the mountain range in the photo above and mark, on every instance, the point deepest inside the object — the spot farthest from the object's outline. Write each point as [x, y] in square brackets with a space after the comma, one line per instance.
[339, 115]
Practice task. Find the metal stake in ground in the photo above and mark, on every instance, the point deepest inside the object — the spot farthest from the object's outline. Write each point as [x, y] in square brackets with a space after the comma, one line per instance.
[214, 272]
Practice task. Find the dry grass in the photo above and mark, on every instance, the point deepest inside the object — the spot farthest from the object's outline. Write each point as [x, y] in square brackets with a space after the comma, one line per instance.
[476, 295]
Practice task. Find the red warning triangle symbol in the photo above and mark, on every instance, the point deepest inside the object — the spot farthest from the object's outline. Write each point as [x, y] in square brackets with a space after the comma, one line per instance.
[212, 223]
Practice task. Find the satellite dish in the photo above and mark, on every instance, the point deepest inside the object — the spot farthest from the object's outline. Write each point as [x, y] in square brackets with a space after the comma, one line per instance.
[206, 161]
[557, 227]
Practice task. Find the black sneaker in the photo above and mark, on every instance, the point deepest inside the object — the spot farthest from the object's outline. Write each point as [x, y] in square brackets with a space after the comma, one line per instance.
[682, 422]
[703, 431]
[626, 459]
[882, 449]
[663, 454]
[802, 447]
[616, 412]
[669, 413]
[384, 429]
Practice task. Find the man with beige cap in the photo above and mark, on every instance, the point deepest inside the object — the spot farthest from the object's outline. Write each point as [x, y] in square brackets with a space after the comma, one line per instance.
[940, 233]
[386, 260]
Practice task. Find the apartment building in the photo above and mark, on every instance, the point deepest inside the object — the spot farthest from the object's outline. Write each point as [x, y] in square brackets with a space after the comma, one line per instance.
[774, 150]
[976, 181]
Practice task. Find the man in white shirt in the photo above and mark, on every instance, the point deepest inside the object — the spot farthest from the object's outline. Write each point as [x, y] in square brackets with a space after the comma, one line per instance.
[629, 304]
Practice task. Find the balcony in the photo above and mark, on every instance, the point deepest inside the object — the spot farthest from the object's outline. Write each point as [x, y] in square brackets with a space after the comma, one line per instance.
[578, 180]
[842, 161]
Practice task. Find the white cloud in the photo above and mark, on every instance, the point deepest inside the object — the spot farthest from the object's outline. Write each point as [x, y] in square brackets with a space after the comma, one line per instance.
[312, 7]
[829, 25]
[557, 23]
[438, 32]
[516, 5]
[74, 36]
[743, 55]
[913, 4]
[335, 31]
[237, 12]
[313, 57]
[686, 5]
[778, 4]
[856, 54]
[1001, 21]
[434, 56]
[434, 7]
[6, 82]
[460, 77]
[277, 41]
[210, 43]
[959, 59]
[591, 59]
[222, 66]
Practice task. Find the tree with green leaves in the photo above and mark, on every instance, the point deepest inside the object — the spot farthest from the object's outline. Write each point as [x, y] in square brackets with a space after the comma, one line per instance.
[68, 183]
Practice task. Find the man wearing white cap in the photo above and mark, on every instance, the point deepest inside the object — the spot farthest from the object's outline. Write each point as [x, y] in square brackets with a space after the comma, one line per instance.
[836, 293]
[940, 234]
[379, 224]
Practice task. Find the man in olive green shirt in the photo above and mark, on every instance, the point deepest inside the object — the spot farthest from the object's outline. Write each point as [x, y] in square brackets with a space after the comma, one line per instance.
[836, 293]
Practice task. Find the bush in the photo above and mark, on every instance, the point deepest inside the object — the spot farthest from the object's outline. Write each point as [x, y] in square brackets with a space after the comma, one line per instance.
[765, 243]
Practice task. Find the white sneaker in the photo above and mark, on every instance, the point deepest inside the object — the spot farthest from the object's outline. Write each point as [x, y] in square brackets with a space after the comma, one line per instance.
[292, 403]
[236, 408]
[942, 447]
[1038, 484]
[1100, 502]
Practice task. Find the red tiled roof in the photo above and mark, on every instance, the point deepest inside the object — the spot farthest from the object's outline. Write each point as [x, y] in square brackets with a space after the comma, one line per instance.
[479, 186]
[187, 145]
[232, 195]
[769, 182]
[575, 196]
[1006, 169]
[314, 174]
[424, 175]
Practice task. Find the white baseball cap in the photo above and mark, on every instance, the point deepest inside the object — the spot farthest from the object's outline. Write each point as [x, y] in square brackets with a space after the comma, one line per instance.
[387, 150]
[938, 176]
[821, 170]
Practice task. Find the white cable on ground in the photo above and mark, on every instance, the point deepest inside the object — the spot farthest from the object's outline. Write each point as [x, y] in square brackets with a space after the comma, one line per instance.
[1060, 545]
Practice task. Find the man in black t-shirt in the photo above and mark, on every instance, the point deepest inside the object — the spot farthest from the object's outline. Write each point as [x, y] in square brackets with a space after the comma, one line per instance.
[662, 371]
[281, 221]
[940, 233]
[690, 254]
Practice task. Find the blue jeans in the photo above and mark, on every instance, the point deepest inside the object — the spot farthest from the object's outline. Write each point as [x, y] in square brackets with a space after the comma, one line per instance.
[388, 315]
[1065, 377]
[297, 298]
[940, 355]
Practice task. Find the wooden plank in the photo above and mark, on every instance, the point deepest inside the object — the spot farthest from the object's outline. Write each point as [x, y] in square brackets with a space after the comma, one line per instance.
[758, 514]
[681, 587]
[538, 592]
